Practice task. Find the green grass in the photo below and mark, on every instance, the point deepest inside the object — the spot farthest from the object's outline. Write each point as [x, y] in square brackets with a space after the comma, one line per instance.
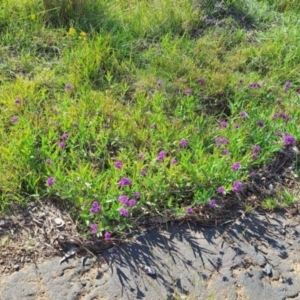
[114, 55]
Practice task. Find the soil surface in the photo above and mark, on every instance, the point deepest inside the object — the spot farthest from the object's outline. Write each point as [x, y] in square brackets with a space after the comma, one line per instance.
[256, 256]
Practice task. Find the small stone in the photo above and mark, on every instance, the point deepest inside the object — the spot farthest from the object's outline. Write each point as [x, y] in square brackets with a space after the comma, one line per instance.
[268, 270]
[16, 267]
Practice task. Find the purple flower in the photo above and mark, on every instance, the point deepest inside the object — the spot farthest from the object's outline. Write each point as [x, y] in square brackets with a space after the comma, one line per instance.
[278, 133]
[189, 210]
[61, 145]
[107, 235]
[123, 199]
[153, 126]
[188, 92]
[17, 100]
[260, 124]
[252, 174]
[50, 181]
[144, 172]
[124, 212]
[141, 155]
[212, 202]
[275, 116]
[221, 190]
[118, 164]
[159, 83]
[183, 143]
[94, 228]
[124, 181]
[161, 155]
[221, 141]
[256, 148]
[174, 161]
[244, 115]
[64, 136]
[131, 202]
[237, 126]
[196, 128]
[254, 85]
[237, 186]
[254, 155]
[136, 195]
[95, 208]
[236, 166]
[68, 86]
[288, 84]
[224, 124]
[241, 80]
[48, 161]
[288, 140]
[225, 151]
[14, 119]
[201, 81]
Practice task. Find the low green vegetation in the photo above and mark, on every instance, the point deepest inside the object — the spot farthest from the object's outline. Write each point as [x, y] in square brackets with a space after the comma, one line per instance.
[126, 109]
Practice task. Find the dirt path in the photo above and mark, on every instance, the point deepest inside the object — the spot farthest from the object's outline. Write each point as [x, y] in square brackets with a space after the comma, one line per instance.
[257, 257]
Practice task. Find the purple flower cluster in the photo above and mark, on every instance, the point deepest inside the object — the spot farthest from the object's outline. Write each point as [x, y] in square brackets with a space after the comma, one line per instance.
[236, 166]
[68, 86]
[124, 212]
[144, 172]
[188, 92]
[254, 85]
[118, 164]
[48, 161]
[282, 115]
[244, 115]
[17, 100]
[50, 181]
[95, 208]
[237, 186]
[221, 190]
[260, 123]
[221, 141]
[212, 203]
[161, 155]
[224, 124]
[201, 81]
[124, 181]
[94, 228]
[189, 210]
[65, 136]
[14, 119]
[107, 235]
[255, 149]
[288, 140]
[183, 143]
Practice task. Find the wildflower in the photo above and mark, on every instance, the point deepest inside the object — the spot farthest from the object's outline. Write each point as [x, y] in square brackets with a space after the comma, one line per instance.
[64, 136]
[124, 181]
[68, 86]
[212, 202]
[183, 143]
[82, 34]
[275, 116]
[288, 140]
[252, 174]
[188, 92]
[237, 126]
[32, 17]
[225, 151]
[118, 164]
[221, 190]
[241, 80]
[260, 124]
[189, 210]
[131, 202]
[48, 161]
[278, 133]
[288, 84]
[174, 161]
[201, 81]
[95, 208]
[144, 172]
[153, 126]
[17, 100]
[254, 85]
[236, 166]
[50, 181]
[237, 186]
[196, 128]
[14, 119]
[159, 83]
[244, 115]
[221, 141]
[61, 145]
[254, 155]
[94, 228]
[123, 199]
[224, 124]
[256, 148]
[107, 235]
[71, 31]
[141, 155]
[124, 212]
[136, 195]
[161, 155]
